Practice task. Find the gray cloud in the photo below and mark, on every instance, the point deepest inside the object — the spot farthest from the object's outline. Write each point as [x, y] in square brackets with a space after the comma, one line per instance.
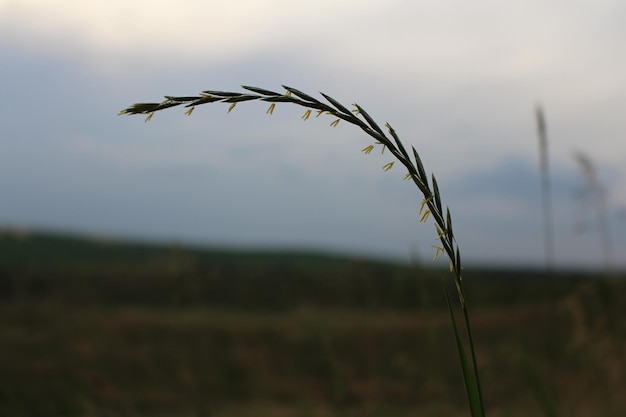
[458, 84]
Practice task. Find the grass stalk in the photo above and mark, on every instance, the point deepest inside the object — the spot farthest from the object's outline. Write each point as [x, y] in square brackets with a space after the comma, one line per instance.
[431, 204]
[469, 372]
[546, 403]
[546, 189]
[596, 192]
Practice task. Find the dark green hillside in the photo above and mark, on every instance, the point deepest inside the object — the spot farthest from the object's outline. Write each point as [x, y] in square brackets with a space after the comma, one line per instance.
[94, 328]
[116, 272]
[83, 270]
[217, 275]
[34, 248]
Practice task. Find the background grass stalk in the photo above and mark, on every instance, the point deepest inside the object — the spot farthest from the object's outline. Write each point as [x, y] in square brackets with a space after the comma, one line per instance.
[597, 193]
[546, 189]
[544, 400]
[431, 204]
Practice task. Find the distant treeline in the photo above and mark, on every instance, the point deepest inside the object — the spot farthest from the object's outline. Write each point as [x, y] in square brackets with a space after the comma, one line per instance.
[80, 270]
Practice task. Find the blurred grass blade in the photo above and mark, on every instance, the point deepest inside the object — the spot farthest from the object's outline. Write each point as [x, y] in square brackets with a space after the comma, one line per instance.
[538, 389]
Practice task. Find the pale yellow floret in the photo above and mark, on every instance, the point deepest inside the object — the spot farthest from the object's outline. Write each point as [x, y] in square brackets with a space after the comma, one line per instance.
[388, 166]
[424, 202]
[271, 108]
[306, 115]
[438, 250]
[425, 216]
[149, 117]
[232, 106]
[335, 123]
[368, 149]
[440, 233]
[188, 112]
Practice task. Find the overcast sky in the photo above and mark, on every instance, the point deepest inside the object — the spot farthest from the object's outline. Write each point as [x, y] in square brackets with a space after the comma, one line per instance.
[457, 80]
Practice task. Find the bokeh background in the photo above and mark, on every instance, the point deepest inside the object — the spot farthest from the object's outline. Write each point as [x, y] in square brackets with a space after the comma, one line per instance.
[248, 264]
[458, 81]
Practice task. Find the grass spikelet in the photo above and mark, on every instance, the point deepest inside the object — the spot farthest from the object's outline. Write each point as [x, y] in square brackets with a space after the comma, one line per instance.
[388, 166]
[430, 207]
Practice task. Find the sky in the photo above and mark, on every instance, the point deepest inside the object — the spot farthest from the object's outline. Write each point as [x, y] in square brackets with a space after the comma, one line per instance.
[457, 80]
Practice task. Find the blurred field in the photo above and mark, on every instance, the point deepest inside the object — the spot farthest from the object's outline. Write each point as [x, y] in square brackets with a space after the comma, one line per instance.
[99, 328]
